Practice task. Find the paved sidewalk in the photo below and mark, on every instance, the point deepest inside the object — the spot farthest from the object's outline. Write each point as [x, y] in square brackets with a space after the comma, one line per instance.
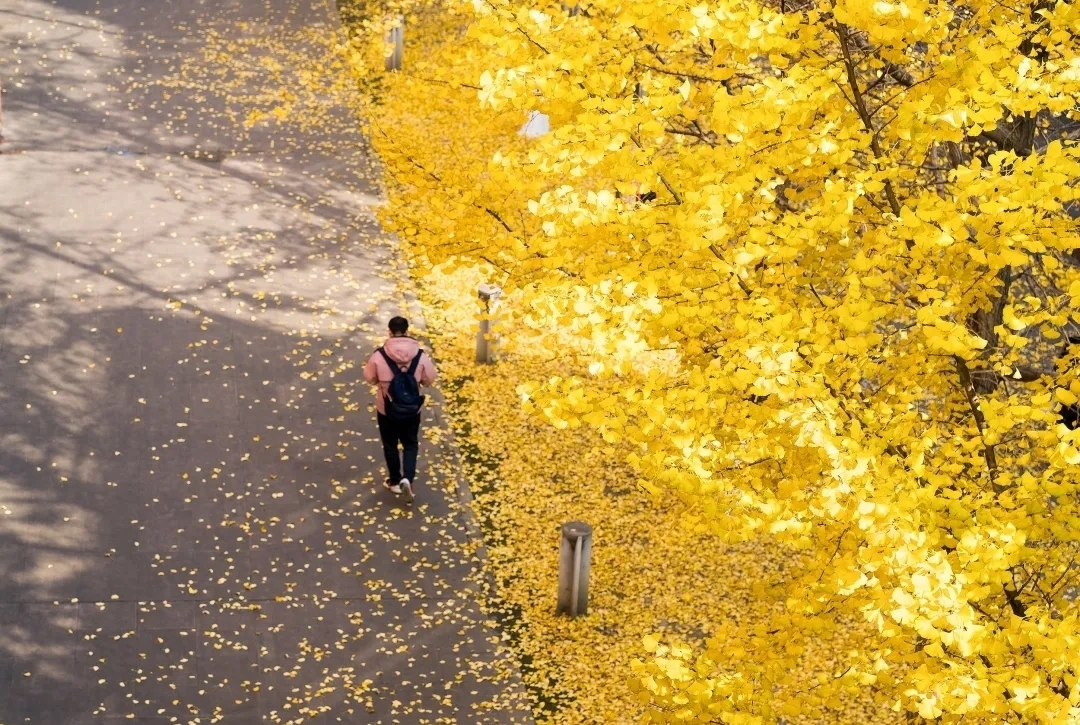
[192, 528]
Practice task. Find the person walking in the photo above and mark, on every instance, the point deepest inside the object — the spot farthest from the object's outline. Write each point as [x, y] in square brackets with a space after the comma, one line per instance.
[399, 368]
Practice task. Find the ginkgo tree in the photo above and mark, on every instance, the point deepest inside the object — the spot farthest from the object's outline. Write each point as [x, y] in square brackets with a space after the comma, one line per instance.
[818, 263]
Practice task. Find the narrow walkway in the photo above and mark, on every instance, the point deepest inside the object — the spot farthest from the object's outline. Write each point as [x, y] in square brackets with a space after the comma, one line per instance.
[192, 527]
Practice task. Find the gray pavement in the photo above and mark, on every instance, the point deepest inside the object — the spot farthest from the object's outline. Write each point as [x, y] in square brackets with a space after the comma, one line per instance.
[192, 522]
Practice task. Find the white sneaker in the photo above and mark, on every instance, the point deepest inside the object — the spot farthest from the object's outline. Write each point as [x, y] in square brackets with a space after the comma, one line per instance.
[406, 488]
[395, 489]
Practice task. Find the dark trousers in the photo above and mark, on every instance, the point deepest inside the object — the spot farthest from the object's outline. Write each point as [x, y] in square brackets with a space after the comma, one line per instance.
[403, 432]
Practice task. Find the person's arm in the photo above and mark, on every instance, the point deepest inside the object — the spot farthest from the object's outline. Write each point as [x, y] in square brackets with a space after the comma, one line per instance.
[371, 372]
[427, 370]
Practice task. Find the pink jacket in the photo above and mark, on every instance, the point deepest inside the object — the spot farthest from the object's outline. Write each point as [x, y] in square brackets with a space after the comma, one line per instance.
[401, 350]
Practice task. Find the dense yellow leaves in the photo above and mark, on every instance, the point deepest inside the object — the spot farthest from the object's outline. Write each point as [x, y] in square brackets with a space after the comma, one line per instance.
[529, 478]
[810, 267]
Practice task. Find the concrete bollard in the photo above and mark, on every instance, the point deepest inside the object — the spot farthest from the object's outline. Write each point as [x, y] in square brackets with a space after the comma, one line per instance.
[396, 39]
[489, 296]
[575, 552]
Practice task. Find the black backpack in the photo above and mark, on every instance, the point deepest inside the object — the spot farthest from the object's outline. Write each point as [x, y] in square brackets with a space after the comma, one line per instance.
[404, 400]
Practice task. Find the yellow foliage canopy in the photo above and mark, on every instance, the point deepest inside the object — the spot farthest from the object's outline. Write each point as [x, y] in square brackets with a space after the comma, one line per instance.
[814, 264]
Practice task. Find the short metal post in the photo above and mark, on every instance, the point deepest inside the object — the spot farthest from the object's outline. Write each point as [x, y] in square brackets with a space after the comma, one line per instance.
[575, 553]
[396, 39]
[483, 350]
[489, 296]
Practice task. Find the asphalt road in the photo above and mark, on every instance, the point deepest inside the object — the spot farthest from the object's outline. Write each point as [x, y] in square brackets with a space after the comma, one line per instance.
[192, 522]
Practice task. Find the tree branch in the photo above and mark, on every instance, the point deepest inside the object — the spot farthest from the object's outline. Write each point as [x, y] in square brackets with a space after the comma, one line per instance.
[499, 219]
[674, 194]
[527, 36]
[447, 83]
[980, 419]
[891, 70]
[684, 74]
[859, 103]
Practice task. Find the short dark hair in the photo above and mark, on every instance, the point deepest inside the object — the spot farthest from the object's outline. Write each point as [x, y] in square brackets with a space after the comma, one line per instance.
[399, 325]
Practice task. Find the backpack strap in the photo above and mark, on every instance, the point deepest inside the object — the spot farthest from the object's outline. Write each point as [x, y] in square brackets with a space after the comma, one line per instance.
[394, 367]
[415, 362]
